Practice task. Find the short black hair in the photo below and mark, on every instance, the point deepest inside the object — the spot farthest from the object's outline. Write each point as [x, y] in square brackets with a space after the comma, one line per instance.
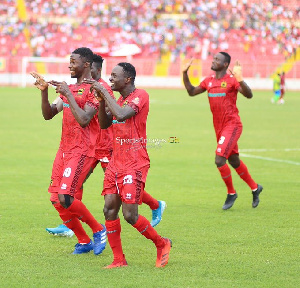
[129, 70]
[227, 57]
[86, 53]
[98, 59]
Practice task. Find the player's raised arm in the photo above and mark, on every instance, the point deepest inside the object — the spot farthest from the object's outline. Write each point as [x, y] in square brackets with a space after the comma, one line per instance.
[48, 110]
[237, 73]
[83, 116]
[192, 90]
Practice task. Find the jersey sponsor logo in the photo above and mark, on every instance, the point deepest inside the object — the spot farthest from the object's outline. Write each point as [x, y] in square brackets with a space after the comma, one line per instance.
[117, 122]
[63, 186]
[67, 172]
[66, 105]
[224, 84]
[127, 179]
[216, 94]
[80, 91]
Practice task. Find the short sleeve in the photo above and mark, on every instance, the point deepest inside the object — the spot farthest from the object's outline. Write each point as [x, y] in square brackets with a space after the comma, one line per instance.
[203, 84]
[138, 101]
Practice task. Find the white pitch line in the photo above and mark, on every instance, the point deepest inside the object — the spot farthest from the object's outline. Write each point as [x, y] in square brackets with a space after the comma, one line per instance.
[270, 159]
[267, 150]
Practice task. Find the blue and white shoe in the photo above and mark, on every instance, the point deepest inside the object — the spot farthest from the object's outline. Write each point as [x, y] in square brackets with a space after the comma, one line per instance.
[157, 213]
[61, 230]
[83, 248]
[99, 241]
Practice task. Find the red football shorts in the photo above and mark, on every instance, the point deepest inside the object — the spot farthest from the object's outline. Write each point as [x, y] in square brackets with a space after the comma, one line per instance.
[103, 156]
[227, 141]
[68, 173]
[130, 186]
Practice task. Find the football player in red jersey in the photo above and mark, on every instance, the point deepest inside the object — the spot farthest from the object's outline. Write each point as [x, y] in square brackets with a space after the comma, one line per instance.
[103, 152]
[127, 171]
[76, 152]
[222, 89]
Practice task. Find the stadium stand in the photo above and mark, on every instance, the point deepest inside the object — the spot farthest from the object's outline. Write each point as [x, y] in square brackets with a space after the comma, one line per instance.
[262, 33]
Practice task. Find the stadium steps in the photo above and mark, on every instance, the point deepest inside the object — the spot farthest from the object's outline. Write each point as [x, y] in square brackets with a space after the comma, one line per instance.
[22, 13]
[162, 67]
[288, 64]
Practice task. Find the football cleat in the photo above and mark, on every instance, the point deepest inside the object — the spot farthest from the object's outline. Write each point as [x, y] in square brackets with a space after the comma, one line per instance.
[157, 213]
[163, 253]
[99, 241]
[61, 230]
[256, 195]
[117, 264]
[83, 248]
[229, 201]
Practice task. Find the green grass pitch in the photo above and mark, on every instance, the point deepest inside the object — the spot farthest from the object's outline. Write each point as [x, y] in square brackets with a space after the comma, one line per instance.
[241, 247]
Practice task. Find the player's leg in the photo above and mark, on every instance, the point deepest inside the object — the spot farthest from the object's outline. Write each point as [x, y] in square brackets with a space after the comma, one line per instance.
[62, 229]
[157, 206]
[131, 194]
[242, 170]
[226, 142]
[112, 221]
[76, 169]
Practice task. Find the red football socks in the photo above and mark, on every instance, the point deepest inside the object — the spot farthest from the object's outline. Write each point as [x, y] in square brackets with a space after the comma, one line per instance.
[150, 201]
[72, 223]
[113, 232]
[144, 227]
[79, 210]
[226, 176]
[243, 172]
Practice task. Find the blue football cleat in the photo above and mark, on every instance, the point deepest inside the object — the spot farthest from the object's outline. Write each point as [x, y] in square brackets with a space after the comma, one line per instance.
[99, 241]
[83, 248]
[61, 230]
[157, 213]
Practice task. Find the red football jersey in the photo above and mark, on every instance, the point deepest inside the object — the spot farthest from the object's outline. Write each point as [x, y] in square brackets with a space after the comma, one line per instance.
[129, 136]
[74, 138]
[222, 95]
[104, 141]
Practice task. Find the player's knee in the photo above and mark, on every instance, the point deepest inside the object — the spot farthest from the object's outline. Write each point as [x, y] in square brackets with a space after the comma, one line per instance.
[110, 213]
[65, 200]
[220, 161]
[130, 216]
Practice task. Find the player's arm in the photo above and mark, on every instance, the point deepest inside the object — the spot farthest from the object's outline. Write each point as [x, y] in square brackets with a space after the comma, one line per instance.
[82, 116]
[104, 115]
[192, 90]
[237, 73]
[48, 110]
[245, 90]
[121, 113]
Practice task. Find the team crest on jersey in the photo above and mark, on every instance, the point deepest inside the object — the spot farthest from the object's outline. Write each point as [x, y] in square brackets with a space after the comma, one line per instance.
[80, 91]
[223, 84]
[136, 101]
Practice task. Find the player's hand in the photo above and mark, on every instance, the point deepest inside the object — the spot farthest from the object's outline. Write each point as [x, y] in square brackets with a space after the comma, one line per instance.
[60, 87]
[237, 71]
[187, 66]
[98, 90]
[40, 82]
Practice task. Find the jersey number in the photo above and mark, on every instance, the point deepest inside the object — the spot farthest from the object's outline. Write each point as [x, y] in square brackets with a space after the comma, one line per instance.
[127, 179]
[222, 139]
